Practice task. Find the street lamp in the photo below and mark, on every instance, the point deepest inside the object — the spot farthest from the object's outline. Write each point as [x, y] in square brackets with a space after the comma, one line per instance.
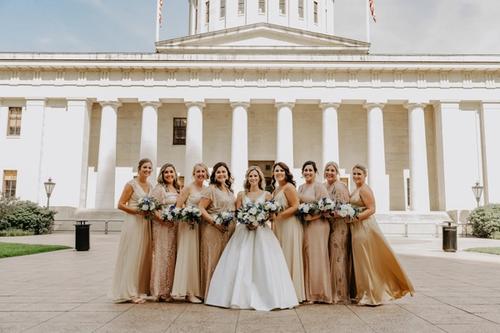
[49, 187]
[478, 191]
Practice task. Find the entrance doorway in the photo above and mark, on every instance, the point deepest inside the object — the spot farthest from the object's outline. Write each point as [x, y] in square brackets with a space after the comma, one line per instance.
[267, 169]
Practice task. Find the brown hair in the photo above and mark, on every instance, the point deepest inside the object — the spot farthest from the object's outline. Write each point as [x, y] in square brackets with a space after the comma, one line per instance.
[288, 174]
[331, 164]
[229, 180]
[361, 167]
[262, 181]
[204, 167]
[142, 162]
[162, 181]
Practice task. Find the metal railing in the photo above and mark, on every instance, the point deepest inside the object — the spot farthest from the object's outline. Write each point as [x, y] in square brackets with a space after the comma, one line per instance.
[105, 221]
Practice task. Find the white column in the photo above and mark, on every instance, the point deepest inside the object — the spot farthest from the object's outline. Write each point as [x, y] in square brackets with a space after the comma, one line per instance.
[330, 132]
[419, 177]
[106, 164]
[377, 178]
[194, 137]
[284, 139]
[149, 134]
[490, 135]
[239, 143]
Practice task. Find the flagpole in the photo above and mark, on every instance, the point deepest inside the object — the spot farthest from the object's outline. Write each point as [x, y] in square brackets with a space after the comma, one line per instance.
[158, 15]
[368, 16]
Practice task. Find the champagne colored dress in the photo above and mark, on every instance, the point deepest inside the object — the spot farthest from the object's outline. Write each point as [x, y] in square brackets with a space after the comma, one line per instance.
[187, 265]
[164, 249]
[317, 278]
[379, 275]
[213, 241]
[291, 235]
[133, 262]
[340, 248]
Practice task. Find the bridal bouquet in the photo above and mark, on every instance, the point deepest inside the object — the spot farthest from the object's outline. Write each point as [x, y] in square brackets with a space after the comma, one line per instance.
[190, 215]
[307, 208]
[148, 205]
[252, 215]
[170, 213]
[224, 219]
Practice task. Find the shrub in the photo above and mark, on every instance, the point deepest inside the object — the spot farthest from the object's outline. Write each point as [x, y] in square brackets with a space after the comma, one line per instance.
[485, 220]
[25, 215]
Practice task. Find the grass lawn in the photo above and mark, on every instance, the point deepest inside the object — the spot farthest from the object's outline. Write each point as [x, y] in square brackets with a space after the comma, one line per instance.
[490, 250]
[15, 249]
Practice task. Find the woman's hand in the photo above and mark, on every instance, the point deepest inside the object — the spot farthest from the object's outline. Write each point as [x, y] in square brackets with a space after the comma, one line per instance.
[251, 227]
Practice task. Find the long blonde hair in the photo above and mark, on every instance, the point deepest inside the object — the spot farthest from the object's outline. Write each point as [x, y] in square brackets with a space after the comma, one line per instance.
[262, 181]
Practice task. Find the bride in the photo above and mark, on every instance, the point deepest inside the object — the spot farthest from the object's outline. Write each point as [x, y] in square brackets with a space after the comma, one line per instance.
[252, 271]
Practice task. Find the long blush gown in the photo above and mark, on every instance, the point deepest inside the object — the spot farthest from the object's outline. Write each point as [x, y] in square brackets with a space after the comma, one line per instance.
[133, 262]
[291, 235]
[164, 249]
[378, 273]
[340, 248]
[252, 271]
[187, 265]
[317, 278]
[213, 241]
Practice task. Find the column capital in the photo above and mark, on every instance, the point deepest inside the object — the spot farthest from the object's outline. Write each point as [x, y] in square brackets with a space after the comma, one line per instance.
[154, 104]
[114, 104]
[373, 105]
[414, 105]
[243, 104]
[79, 101]
[324, 105]
[284, 104]
[199, 104]
[446, 104]
[36, 100]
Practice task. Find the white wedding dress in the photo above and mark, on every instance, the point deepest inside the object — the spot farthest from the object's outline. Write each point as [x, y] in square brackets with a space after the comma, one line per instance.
[252, 272]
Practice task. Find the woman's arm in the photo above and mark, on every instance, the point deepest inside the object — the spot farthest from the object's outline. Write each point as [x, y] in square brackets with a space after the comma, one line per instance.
[368, 198]
[239, 200]
[293, 203]
[182, 198]
[124, 199]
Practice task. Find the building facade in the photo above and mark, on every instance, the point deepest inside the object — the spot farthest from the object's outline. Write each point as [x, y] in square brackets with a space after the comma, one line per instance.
[252, 87]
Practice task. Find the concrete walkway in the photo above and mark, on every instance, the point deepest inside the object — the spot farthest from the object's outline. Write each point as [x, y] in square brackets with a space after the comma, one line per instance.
[65, 291]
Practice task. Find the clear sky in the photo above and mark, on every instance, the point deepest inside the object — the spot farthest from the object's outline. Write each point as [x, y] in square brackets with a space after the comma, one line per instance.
[403, 26]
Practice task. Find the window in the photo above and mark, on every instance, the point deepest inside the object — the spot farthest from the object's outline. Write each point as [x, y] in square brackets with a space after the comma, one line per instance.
[9, 183]
[315, 8]
[207, 12]
[262, 6]
[180, 131]
[14, 122]
[282, 7]
[241, 6]
[222, 8]
[301, 9]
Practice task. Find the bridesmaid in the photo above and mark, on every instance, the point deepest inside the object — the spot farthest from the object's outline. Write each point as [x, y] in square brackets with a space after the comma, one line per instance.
[187, 266]
[133, 263]
[317, 278]
[340, 238]
[164, 236]
[287, 227]
[217, 198]
[379, 275]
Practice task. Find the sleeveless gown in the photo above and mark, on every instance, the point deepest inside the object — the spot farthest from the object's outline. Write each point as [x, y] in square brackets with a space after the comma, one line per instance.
[252, 272]
[164, 249]
[133, 262]
[291, 235]
[378, 273]
[187, 265]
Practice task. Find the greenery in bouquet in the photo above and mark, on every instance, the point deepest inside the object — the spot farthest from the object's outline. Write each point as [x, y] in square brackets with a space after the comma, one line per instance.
[190, 215]
[307, 208]
[224, 218]
[252, 215]
[170, 213]
[148, 205]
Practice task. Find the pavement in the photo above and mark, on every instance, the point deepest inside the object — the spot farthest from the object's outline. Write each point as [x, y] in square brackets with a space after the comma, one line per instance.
[66, 291]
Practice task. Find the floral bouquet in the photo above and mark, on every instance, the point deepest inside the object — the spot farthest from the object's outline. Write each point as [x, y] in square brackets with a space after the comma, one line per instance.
[307, 208]
[326, 205]
[224, 219]
[252, 215]
[148, 205]
[170, 213]
[271, 207]
[190, 215]
[346, 210]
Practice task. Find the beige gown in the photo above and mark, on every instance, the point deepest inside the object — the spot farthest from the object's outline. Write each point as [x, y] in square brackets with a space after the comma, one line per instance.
[317, 278]
[340, 248]
[133, 262]
[164, 249]
[291, 235]
[187, 265]
[212, 241]
[379, 275]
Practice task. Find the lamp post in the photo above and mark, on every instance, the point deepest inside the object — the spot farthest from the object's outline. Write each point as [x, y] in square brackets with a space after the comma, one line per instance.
[478, 191]
[49, 187]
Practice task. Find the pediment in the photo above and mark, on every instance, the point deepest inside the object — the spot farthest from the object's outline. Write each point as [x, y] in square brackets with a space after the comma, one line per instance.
[263, 37]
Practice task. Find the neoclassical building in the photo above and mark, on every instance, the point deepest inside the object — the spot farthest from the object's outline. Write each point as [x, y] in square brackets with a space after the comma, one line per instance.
[254, 82]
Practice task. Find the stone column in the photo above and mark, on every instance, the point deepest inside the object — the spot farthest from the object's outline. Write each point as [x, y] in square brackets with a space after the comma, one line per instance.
[490, 137]
[106, 164]
[284, 139]
[377, 178]
[194, 137]
[149, 134]
[330, 132]
[419, 178]
[239, 144]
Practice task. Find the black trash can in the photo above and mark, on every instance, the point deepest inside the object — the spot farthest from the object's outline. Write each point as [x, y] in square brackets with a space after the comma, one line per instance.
[449, 237]
[82, 236]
